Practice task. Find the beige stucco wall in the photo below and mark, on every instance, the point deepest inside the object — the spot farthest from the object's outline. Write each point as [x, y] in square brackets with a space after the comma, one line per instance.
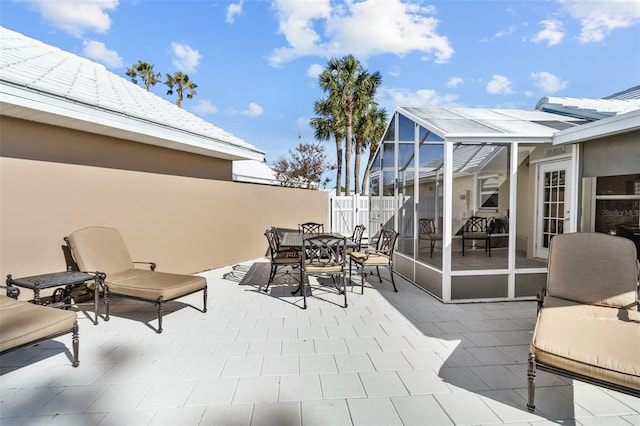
[185, 224]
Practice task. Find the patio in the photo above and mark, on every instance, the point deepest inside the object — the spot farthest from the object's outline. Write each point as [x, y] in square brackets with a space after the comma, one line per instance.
[258, 359]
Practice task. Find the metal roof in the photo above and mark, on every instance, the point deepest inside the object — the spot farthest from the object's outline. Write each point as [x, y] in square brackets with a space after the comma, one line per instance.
[489, 125]
[630, 93]
[42, 83]
[590, 109]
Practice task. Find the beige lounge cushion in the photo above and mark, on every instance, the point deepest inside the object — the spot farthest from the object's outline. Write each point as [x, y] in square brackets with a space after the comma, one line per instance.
[23, 322]
[315, 269]
[151, 285]
[595, 341]
[97, 248]
[593, 268]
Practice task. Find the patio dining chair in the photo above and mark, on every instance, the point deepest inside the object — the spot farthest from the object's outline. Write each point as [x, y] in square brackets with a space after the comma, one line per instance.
[324, 256]
[477, 228]
[382, 255]
[102, 251]
[311, 228]
[427, 231]
[356, 237]
[280, 258]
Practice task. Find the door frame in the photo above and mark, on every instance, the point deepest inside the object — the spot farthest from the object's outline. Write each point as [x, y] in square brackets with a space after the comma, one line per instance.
[571, 188]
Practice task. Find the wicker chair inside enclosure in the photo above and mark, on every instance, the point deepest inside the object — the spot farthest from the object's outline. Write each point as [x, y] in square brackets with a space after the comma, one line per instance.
[324, 256]
[428, 232]
[311, 228]
[477, 228]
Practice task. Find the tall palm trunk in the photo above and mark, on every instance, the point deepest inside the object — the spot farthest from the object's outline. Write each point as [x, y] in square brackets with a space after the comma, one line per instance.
[338, 165]
[348, 118]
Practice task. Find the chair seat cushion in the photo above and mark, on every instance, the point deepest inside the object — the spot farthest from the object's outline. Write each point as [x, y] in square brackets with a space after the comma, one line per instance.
[434, 237]
[286, 258]
[372, 259]
[23, 322]
[475, 235]
[594, 341]
[332, 269]
[152, 285]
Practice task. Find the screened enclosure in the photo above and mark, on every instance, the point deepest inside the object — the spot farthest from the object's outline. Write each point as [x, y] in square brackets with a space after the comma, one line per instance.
[462, 188]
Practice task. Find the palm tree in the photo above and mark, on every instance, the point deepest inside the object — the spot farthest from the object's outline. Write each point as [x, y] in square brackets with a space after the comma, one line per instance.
[377, 124]
[329, 123]
[144, 70]
[347, 85]
[368, 124]
[180, 82]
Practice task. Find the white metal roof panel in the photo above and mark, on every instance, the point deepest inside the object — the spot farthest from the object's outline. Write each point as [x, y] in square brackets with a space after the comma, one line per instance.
[45, 84]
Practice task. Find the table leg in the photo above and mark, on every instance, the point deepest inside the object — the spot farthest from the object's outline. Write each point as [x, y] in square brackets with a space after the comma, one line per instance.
[36, 293]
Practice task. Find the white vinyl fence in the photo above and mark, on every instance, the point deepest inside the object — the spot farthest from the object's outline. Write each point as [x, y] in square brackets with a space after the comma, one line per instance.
[348, 211]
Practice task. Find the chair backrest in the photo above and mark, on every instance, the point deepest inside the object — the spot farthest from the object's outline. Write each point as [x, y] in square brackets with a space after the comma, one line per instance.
[311, 228]
[324, 251]
[593, 268]
[358, 232]
[273, 240]
[476, 224]
[97, 248]
[426, 226]
[387, 242]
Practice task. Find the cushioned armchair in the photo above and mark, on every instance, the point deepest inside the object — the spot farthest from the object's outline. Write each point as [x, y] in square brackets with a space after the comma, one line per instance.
[588, 325]
[103, 251]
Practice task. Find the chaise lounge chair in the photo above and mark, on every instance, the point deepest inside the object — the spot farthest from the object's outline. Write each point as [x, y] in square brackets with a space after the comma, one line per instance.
[23, 324]
[102, 250]
[588, 325]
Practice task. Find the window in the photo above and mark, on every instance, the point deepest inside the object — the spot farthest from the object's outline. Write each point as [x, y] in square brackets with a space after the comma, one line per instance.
[488, 192]
[617, 202]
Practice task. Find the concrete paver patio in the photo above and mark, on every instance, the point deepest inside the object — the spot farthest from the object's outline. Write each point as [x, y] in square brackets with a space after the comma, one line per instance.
[259, 359]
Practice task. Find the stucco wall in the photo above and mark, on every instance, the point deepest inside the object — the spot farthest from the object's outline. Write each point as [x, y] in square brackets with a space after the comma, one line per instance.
[177, 209]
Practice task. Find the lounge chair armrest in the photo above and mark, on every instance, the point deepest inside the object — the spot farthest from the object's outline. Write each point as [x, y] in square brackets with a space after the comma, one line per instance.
[540, 298]
[152, 265]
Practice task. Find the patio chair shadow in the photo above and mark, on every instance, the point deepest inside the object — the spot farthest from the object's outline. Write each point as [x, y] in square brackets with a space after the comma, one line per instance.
[20, 358]
[496, 371]
[140, 311]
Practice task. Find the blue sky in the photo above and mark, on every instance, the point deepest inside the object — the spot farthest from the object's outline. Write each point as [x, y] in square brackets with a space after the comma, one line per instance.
[256, 62]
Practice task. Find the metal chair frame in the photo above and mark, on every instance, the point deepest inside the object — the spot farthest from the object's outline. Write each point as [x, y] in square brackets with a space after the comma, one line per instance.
[311, 228]
[324, 255]
[279, 258]
[385, 247]
[427, 228]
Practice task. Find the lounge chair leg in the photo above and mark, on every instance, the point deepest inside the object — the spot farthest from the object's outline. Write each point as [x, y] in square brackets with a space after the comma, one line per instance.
[379, 276]
[160, 310]
[76, 344]
[204, 297]
[106, 303]
[392, 280]
[531, 375]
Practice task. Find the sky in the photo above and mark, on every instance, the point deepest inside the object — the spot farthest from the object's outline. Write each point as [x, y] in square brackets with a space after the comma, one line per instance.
[256, 62]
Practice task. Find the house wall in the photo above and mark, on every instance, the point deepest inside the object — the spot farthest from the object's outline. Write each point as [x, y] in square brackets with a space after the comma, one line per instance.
[185, 224]
[35, 141]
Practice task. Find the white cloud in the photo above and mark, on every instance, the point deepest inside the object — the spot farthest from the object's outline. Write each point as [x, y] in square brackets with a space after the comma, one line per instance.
[99, 52]
[363, 28]
[552, 32]
[548, 82]
[76, 16]
[204, 108]
[499, 85]
[185, 58]
[232, 10]
[397, 96]
[599, 18]
[508, 31]
[454, 82]
[314, 70]
[394, 71]
[254, 110]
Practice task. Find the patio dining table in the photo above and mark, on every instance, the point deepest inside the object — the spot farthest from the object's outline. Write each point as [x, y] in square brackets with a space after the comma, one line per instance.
[294, 240]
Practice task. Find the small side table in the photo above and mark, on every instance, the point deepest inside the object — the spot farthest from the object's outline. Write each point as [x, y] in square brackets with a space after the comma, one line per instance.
[67, 279]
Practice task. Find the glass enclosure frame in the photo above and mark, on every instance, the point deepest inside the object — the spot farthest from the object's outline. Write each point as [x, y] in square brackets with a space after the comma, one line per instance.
[419, 174]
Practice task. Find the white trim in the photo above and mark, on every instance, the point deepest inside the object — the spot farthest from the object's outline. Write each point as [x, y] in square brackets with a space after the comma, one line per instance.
[623, 123]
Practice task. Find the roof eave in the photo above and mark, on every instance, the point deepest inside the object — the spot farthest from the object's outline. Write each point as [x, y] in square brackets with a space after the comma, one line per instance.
[623, 123]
